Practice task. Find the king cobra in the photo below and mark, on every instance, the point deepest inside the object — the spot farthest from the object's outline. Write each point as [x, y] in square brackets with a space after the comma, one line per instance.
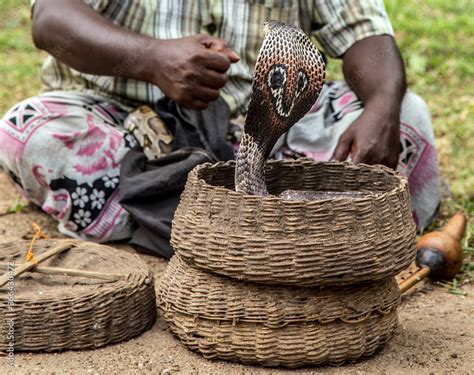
[288, 77]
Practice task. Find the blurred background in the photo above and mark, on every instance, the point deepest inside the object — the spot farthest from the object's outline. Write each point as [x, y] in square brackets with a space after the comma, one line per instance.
[437, 44]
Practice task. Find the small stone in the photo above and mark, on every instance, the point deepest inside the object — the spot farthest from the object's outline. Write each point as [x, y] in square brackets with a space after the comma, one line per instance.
[454, 355]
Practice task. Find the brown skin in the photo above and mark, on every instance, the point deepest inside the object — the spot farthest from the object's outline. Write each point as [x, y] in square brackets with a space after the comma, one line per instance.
[374, 69]
[189, 70]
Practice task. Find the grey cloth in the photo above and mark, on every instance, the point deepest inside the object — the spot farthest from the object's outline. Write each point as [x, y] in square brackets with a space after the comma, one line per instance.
[150, 189]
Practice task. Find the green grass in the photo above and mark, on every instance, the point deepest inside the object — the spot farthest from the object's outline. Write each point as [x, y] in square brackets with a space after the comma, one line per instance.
[18, 206]
[435, 37]
[436, 41]
[20, 62]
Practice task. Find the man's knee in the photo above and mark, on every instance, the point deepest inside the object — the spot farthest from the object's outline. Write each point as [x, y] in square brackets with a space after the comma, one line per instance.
[415, 111]
[16, 128]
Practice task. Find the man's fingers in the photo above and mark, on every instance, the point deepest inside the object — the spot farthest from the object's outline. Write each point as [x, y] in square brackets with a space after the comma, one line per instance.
[358, 158]
[225, 49]
[212, 79]
[206, 94]
[233, 57]
[219, 45]
[343, 149]
[212, 43]
[219, 56]
[217, 61]
[393, 159]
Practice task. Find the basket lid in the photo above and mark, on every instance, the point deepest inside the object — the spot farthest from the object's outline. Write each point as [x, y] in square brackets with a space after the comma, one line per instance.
[57, 312]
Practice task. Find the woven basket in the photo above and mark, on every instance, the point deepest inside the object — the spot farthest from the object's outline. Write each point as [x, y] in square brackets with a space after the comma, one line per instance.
[235, 320]
[308, 243]
[55, 312]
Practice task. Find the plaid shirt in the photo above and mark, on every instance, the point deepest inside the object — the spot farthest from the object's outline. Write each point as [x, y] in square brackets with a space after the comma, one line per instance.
[335, 26]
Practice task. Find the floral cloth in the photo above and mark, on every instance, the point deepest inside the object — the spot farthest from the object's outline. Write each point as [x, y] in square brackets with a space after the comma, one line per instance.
[64, 149]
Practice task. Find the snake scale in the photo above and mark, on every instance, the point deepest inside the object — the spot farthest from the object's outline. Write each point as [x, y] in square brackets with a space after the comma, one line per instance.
[288, 77]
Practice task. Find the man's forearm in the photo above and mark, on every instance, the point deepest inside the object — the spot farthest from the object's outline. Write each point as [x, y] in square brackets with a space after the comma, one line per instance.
[76, 35]
[189, 70]
[374, 69]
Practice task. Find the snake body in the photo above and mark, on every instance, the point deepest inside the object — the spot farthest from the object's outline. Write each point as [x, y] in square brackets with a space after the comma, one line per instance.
[288, 77]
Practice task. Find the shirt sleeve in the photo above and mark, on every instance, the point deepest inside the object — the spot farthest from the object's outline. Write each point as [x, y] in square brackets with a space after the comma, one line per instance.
[338, 24]
[97, 5]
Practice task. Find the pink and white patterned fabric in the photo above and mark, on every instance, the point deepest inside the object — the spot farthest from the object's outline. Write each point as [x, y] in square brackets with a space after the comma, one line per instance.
[64, 150]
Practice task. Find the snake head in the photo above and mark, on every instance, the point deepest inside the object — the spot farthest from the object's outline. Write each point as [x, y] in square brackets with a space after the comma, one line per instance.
[289, 74]
[288, 78]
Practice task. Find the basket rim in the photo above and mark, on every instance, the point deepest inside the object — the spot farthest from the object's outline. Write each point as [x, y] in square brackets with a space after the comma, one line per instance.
[104, 286]
[402, 184]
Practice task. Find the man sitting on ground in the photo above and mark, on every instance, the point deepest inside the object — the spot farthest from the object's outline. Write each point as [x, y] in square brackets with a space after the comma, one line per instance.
[65, 147]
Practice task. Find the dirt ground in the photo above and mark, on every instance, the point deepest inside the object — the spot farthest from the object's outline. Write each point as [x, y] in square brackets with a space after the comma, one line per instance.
[435, 333]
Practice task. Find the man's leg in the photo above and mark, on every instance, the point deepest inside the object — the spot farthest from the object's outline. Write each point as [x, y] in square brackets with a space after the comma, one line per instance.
[317, 134]
[64, 149]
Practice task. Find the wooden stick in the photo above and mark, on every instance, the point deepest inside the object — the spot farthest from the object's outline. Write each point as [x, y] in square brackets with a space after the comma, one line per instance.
[413, 279]
[73, 272]
[29, 265]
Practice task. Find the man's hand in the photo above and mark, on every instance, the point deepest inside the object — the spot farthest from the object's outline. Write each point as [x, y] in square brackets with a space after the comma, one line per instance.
[374, 138]
[191, 70]
[374, 69]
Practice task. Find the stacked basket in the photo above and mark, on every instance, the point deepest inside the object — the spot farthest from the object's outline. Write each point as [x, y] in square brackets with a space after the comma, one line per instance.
[276, 282]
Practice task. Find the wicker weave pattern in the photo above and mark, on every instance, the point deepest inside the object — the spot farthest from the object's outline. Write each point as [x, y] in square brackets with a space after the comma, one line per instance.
[188, 290]
[295, 345]
[273, 325]
[306, 243]
[79, 314]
